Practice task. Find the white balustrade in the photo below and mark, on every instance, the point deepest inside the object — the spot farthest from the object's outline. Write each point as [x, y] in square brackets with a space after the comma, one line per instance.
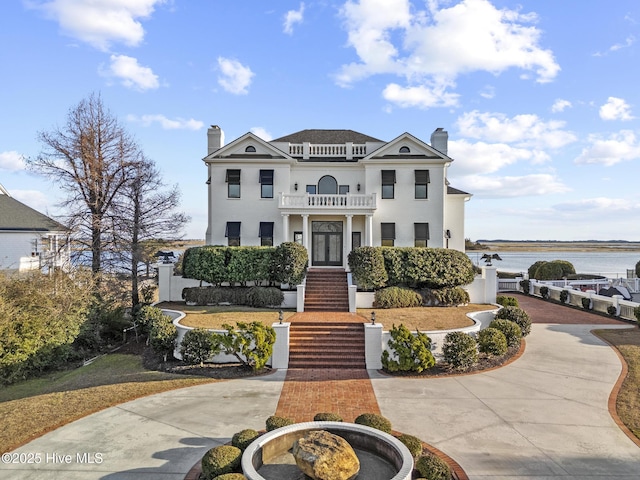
[328, 150]
[328, 201]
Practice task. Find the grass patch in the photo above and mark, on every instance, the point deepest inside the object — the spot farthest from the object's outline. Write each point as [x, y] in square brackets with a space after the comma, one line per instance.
[628, 402]
[425, 318]
[217, 316]
[34, 407]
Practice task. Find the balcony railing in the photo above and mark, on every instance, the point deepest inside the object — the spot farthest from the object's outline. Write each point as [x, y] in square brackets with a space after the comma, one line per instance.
[346, 150]
[328, 201]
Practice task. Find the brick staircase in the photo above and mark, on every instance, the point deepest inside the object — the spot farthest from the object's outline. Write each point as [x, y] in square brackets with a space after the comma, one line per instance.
[326, 345]
[326, 291]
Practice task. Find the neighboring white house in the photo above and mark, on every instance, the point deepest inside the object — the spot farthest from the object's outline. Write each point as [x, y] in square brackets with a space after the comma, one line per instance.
[332, 190]
[28, 239]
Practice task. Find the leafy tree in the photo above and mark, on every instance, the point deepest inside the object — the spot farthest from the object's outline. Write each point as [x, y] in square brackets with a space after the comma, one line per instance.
[163, 336]
[251, 343]
[91, 158]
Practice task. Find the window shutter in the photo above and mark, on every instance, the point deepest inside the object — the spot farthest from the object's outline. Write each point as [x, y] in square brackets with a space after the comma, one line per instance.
[388, 177]
[233, 176]
[422, 177]
[232, 230]
[388, 231]
[266, 229]
[266, 177]
[421, 231]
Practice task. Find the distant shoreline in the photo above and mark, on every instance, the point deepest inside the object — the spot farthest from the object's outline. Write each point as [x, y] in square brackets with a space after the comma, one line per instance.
[558, 246]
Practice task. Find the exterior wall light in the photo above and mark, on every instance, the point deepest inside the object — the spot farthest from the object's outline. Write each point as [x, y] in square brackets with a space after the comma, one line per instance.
[358, 187]
[280, 316]
[373, 318]
[295, 186]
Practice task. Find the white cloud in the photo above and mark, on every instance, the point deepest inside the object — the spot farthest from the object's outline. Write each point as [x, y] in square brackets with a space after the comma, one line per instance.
[628, 42]
[420, 96]
[130, 73]
[100, 22]
[597, 205]
[235, 77]
[488, 92]
[560, 105]
[616, 109]
[511, 186]
[34, 198]
[292, 17]
[521, 130]
[618, 147]
[11, 161]
[262, 133]
[436, 46]
[484, 158]
[167, 123]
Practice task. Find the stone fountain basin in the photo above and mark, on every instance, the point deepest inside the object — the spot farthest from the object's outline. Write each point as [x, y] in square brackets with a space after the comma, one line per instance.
[382, 456]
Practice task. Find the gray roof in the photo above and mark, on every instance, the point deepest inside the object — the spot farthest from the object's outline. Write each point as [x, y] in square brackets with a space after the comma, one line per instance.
[327, 137]
[17, 216]
[455, 191]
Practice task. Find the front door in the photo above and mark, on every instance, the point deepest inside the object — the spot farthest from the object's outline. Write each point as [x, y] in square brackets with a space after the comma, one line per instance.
[326, 243]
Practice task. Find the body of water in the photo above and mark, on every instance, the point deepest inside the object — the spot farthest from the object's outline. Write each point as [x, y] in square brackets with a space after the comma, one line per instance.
[609, 264]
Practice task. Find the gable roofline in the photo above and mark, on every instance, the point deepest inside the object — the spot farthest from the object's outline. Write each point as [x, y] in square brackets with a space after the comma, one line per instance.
[16, 216]
[406, 135]
[220, 153]
[319, 136]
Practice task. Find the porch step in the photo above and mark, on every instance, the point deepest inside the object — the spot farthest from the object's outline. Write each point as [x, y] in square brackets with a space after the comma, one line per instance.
[326, 290]
[326, 345]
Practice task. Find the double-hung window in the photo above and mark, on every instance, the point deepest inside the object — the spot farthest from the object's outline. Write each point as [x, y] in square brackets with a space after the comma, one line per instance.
[387, 234]
[232, 232]
[422, 182]
[388, 183]
[266, 234]
[421, 234]
[233, 183]
[266, 183]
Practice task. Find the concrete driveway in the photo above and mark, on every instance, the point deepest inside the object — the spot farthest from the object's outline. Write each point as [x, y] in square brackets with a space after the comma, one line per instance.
[544, 416]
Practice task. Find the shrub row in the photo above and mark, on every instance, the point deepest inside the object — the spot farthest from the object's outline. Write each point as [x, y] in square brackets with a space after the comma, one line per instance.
[377, 267]
[286, 263]
[402, 297]
[250, 296]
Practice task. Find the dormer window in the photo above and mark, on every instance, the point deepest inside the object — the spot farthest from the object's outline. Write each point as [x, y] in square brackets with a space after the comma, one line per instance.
[250, 149]
[405, 150]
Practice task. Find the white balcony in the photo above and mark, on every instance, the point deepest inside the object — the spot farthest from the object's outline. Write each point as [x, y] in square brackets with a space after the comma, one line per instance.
[327, 202]
[347, 150]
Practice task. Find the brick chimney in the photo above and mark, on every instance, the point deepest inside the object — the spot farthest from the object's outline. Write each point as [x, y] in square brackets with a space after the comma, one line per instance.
[215, 138]
[440, 139]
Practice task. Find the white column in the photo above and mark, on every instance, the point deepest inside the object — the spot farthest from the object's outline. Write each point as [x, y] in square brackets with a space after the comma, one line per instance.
[369, 231]
[347, 242]
[305, 235]
[285, 227]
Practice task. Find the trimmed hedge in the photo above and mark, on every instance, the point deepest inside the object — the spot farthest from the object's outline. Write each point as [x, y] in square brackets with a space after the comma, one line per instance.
[374, 420]
[460, 350]
[431, 467]
[511, 331]
[492, 341]
[274, 422]
[220, 460]
[516, 315]
[286, 263]
[377, 267]
[414, 444]
[507, 301]
[243, 438]
[327, 417]
[250, 296]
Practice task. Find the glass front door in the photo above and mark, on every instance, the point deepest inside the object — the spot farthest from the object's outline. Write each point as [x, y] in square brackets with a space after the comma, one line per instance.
[326, 243]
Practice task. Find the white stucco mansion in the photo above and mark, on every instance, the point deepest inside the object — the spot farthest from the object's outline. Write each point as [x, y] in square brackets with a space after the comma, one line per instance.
[332, 190]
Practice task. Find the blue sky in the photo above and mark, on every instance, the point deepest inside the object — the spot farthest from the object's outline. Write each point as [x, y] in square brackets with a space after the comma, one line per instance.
[540, 97]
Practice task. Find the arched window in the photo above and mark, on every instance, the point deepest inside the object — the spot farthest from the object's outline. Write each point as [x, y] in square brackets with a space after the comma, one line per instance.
[405, 150]
[327, 184]
[250, 149]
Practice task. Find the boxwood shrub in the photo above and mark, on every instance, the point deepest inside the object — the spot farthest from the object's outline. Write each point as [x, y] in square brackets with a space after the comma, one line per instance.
[507, 301]
[274, 422]
[230, 476]
[516, 315]
[197, 346]
[327, 417]
[492, 341]
[243, 438]
[450, 296]
[374, 420]
[511, 331]
[396, 297]
[414, 444]
[220, 460]
[367, 267]
[432, 467]
[250, 296]
[460, 350]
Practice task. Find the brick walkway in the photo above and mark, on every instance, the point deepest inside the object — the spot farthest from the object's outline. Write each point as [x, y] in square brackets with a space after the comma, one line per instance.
[343, 391]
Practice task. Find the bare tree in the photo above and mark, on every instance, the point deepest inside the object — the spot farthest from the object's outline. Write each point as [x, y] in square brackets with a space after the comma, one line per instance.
[146, 214]
[91, 158]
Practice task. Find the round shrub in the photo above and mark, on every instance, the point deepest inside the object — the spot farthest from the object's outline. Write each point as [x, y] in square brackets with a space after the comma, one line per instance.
[231, 476]
[274, 422]
[544, 292]
[432, 467]
[197, 346]
[289, 265]
[374, 420]
[414, 444]
[243, 438]
[586, 303]
[518, 316]
[397, 297]
[220, 460]
[611, 310]
[460, 350]
[564, 296]
[492, 341]
[327, 417]
[450, 296]
[367, 265]
[507, 301]
[511, 331]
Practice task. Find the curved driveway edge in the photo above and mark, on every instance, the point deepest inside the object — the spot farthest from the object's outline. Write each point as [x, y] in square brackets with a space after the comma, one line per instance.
[544, 416]
[157, 437]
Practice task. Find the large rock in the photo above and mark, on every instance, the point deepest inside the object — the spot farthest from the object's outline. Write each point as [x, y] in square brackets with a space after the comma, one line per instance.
[324, 456]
